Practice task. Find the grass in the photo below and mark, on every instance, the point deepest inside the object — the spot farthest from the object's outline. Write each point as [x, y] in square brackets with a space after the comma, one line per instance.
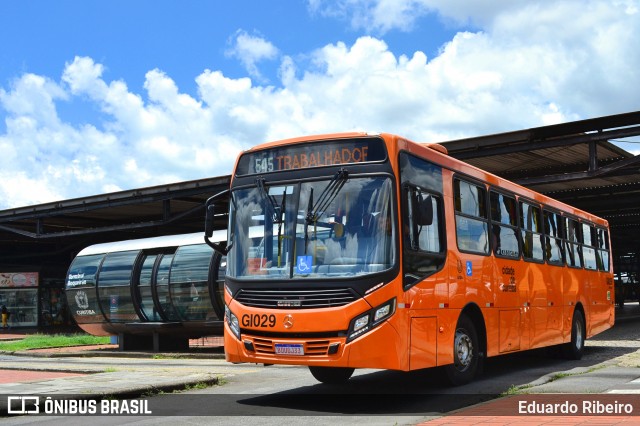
[39, 341]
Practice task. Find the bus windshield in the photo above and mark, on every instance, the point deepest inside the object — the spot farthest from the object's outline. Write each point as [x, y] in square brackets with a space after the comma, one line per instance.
[337, 227]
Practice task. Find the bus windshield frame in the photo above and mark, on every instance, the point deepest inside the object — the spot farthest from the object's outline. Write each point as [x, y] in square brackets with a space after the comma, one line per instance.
[328, 228]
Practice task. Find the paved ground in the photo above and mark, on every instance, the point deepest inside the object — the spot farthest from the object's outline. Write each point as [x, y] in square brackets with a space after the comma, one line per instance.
[34, 373]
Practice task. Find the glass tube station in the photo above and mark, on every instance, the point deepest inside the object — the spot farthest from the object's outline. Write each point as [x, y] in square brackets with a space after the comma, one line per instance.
[158, 292]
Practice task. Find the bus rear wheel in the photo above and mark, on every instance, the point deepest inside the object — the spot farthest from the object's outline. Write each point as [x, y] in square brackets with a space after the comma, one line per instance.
[573, 350]
[466, 355]
[331, 375]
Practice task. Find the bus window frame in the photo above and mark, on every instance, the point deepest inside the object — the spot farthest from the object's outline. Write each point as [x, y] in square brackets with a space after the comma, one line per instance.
[606, 266]
[562, 237]
[579, 243]
[290, 177]
[406, 223]
[405, 183]
[533, 203]
[592, 228]
[487, 220]
[517, 228]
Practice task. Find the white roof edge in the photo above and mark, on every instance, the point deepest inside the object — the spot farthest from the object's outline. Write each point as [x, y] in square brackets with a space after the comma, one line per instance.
[153, 242]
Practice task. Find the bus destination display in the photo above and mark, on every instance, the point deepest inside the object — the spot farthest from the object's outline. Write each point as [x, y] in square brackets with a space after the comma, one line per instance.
[320, 154]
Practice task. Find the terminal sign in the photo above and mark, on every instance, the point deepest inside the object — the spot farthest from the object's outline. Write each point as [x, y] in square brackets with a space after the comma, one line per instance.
[318, 154]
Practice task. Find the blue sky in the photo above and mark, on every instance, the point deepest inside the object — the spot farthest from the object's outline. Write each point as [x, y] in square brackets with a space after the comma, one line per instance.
[181, 38]
[101, 96]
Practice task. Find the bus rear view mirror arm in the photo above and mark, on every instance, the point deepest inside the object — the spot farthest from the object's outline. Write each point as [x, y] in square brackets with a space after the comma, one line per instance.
[209, 226]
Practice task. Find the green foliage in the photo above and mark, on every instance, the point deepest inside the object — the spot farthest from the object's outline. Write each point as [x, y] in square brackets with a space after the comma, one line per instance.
[39, 341]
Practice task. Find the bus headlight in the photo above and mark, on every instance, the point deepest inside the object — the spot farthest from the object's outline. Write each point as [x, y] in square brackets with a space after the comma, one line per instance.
[232, 322]
[370, 319]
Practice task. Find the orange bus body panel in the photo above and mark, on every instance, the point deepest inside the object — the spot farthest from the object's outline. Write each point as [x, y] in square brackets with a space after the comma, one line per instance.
[523, 305]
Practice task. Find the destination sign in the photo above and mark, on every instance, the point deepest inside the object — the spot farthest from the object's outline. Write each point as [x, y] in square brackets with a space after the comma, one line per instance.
[318, 154]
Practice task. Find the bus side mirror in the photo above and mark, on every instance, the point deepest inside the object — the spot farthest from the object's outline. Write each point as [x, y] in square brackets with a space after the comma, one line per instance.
[209, 224]
[424, 211]
[208, 220]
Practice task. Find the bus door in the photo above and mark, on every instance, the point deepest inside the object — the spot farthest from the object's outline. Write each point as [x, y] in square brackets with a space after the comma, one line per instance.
[424, 256]
[508, 274]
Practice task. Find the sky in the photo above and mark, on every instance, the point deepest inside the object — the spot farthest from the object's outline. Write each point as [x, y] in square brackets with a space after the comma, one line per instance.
[103, 96]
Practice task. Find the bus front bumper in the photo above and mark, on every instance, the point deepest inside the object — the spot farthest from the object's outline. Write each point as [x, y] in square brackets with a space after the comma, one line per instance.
[380, 348]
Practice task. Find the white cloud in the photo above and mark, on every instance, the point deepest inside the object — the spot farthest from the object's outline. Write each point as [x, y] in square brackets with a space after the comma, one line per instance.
[251, 49]
[382, 16]
[373, 16]
[527, 66]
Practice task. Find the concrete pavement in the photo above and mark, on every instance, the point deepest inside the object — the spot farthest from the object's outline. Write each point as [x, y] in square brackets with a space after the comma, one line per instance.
[109, 372]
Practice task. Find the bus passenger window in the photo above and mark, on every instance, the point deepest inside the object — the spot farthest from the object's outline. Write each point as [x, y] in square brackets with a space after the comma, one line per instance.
[588, 249]
[574, 240]
[602, 257]
[531, 224]
[504, 226]
[554, 247]
[471, 217]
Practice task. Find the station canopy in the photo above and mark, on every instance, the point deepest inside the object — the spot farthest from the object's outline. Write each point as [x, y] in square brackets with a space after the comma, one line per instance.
[575, 162]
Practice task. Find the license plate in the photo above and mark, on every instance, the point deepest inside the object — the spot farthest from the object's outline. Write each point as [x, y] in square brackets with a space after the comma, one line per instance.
[282, 349]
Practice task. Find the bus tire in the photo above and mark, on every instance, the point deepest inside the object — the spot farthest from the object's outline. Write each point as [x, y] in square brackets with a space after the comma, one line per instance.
[466, 353]
[331, 375]
[574, 349]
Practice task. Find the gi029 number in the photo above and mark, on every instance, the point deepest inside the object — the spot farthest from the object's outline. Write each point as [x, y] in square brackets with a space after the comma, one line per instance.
[257, 320]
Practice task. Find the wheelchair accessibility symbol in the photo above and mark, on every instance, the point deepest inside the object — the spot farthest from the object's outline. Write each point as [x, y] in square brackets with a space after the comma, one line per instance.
[304, 264]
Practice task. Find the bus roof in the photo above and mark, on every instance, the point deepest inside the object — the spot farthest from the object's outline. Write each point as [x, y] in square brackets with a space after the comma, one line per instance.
[440, 152]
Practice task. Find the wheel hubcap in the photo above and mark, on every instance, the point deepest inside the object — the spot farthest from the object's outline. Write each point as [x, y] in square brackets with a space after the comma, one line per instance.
[579, 335]
[463, 350]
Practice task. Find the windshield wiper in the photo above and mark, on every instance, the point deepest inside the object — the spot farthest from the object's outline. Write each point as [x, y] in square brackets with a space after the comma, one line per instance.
[327, 196]
[276, 216]
[277, 211]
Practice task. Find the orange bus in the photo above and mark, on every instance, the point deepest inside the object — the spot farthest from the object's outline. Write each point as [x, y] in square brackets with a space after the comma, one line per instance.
[361, 250]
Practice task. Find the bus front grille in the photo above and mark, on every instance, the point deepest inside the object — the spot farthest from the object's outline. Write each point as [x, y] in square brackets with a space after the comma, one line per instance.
[311, 347]
[296, 299]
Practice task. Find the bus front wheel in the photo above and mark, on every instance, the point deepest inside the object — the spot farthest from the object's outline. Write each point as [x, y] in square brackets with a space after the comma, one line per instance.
[331, 375]
[466, 355]
[574, 349]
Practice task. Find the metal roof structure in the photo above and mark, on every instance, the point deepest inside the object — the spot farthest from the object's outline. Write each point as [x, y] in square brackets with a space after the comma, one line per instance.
[50, 235]
[574, 162]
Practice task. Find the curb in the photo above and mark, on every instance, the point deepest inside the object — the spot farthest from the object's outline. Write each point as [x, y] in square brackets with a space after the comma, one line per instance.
[114, 354]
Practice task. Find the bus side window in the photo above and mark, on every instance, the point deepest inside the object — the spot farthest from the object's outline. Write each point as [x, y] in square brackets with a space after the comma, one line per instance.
[531, 224]
[603, 250]
[423, 234]
[554, 246]
[423, 227]
[574, 240]
[588, 248]
[504, 226]
[471, 217]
